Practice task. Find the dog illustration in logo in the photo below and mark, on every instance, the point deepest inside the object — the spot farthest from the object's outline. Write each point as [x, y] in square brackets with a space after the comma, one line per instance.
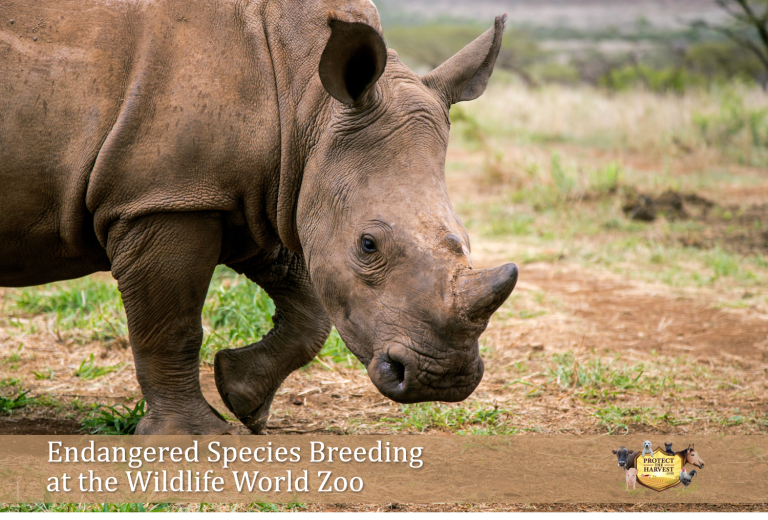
[631, 475]
[647, 450]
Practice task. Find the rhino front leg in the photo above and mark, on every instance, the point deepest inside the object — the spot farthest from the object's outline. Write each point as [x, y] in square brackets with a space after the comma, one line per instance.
[163, 264]
[248, 377]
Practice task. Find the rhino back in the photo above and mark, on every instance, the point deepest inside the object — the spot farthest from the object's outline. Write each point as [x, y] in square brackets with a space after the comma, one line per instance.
[112, 110]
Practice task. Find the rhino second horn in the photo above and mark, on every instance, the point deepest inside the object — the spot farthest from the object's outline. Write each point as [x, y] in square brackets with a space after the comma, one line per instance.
[480, 292]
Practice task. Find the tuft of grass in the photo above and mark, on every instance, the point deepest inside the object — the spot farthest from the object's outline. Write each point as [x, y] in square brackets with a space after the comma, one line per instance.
[722, 263]
[471, 420]
[735, 128]
[9, 381]
[562, 179]
[43, 375]
[469, 127]
[112, 420]
[598, 380]
[15, 357]
[8, 404]
[615, 417]
[337, 352]
[88, 369]
[606, 180]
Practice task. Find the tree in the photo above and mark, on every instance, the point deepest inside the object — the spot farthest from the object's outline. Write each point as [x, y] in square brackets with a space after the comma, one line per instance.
[748, 25]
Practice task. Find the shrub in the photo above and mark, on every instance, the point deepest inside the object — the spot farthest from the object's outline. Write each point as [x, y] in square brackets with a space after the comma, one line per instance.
[669, 79]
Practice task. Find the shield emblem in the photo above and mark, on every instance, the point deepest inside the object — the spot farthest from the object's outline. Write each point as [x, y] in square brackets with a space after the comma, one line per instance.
[660, 471]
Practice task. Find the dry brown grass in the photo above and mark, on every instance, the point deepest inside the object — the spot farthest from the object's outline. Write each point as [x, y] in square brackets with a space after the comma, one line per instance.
[632, 121]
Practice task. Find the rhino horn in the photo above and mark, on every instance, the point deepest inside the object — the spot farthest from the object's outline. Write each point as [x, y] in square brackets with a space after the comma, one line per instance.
[464, 76]
[480, 292]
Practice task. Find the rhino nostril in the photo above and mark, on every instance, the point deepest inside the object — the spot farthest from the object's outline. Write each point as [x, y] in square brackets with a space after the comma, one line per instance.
[398, 369]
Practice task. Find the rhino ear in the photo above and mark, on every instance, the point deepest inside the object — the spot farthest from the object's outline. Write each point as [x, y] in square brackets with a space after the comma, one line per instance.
[465, 76]
[353, 60]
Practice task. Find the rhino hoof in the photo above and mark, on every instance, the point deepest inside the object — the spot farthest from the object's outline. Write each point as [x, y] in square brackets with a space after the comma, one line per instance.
[160, 424]
[254, 419]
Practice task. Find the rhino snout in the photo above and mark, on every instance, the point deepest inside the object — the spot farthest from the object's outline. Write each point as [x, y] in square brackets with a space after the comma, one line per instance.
[398, 375]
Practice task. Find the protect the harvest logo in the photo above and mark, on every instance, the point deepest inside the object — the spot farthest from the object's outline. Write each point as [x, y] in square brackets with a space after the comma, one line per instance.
[658, 471]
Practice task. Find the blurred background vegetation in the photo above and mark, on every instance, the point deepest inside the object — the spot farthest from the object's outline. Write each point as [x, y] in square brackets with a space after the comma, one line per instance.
[613, 44]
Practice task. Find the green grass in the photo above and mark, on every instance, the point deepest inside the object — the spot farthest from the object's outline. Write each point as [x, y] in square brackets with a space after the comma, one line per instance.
[41, 375]
[606, 180]
[502, 222]
[14, 357]
[88, 304]
[9, 381]
[237, 313]
[594, 379]
[614, 417]
[473, 419]
[115, 420]
[88, 370]
[8, 404]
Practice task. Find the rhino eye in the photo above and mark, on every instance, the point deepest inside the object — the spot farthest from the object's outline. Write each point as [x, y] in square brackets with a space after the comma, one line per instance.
[368, 245]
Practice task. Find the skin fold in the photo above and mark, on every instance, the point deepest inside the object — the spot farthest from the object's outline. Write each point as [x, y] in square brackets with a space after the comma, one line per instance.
[158, 139]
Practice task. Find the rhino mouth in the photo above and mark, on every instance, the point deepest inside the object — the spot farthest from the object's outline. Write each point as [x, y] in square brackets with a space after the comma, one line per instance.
[396, 375]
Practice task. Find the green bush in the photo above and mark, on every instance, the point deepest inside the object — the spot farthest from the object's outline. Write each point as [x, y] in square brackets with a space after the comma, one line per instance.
[735, 128]
[669, 79]
[722, 62]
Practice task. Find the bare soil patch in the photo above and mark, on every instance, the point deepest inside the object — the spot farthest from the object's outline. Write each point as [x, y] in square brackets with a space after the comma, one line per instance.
[24, 426]
[742, 228]
[625, 314]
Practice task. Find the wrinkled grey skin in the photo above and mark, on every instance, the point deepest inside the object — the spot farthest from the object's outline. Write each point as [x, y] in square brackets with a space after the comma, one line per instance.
[159, 139]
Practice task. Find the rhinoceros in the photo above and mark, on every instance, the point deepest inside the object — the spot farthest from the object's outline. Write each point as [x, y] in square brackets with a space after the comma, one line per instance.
[157, 139]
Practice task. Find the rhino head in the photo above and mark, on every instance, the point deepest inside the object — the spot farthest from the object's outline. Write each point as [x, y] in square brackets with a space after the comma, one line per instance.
[388, 256]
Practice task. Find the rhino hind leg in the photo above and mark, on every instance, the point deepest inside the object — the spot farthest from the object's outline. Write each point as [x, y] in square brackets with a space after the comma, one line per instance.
[248, 378]
[163, 264]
